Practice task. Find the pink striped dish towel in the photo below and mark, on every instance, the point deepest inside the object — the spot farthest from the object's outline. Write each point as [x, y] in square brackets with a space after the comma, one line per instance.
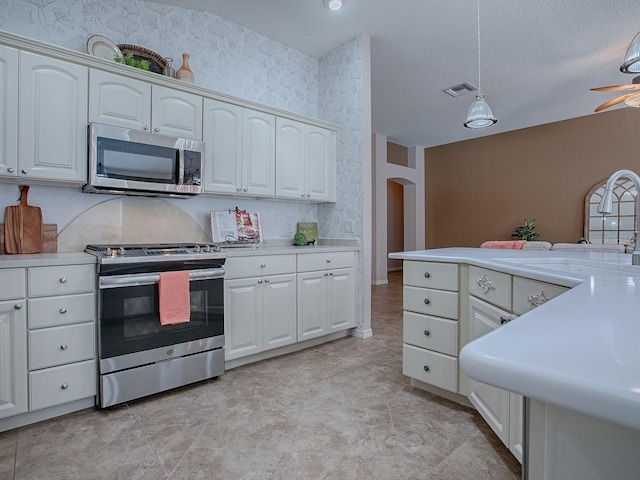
[175, 304]
[505, 244]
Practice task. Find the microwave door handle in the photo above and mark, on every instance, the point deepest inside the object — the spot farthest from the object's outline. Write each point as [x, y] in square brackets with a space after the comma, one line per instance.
[180, 166]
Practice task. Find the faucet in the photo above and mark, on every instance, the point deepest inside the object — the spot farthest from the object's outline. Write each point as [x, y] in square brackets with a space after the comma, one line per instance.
[606, 207]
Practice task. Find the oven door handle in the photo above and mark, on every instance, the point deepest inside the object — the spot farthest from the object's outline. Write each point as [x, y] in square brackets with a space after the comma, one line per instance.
[134, 280]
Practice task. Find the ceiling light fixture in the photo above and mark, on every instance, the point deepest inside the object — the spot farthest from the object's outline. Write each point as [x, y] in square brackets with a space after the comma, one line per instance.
[480, 114]
[334, 4]
[631, 62]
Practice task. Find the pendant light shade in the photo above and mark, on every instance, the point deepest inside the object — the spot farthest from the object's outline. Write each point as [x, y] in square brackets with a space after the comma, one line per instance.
[480, 114]
[632, 58]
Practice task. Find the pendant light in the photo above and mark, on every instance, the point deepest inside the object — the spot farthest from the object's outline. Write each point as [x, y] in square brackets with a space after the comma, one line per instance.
[631, 62]
[480, 114]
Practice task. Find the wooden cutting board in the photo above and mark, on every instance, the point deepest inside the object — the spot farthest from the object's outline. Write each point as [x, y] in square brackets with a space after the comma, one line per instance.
[23, 226]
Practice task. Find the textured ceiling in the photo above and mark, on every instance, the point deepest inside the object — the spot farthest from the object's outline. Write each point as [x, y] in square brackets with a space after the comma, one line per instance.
[538, 57]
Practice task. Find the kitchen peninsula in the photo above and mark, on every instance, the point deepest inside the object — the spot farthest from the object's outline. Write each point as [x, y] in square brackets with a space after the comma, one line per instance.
[574, 357]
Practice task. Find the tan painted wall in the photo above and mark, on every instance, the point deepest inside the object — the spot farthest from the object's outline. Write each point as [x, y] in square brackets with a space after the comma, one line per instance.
[481, 189]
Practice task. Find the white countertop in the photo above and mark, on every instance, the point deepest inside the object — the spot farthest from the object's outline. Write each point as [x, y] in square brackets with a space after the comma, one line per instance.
[45, 259]
[581, 350]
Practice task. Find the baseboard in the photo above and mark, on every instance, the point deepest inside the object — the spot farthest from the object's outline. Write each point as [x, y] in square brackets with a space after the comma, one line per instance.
[366, 333]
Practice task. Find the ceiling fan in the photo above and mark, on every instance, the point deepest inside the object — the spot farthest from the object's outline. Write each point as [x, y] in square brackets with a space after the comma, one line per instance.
[632, 99]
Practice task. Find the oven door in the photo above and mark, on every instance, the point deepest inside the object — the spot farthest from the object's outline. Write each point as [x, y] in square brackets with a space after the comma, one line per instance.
[129, 318]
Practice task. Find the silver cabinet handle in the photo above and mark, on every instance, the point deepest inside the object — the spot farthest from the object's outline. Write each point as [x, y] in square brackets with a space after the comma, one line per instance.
[146, 127]
[238, 189]
[427, 275]
[426, 368]
[260, 281]
[308, 195]
[331, 273]
[11, 170]
[427, 333]
[326, 274]
[329, 260]
[245, 189]
[24, 171]
[427, 301]
[539, 299]
[262, 265]
[63, 280]
[266, 280]
[156, 129]
[18, 306]
[485, 284]
[64, 386]
[504, 320]
[63, 310]
[303, 195]
[64, 346]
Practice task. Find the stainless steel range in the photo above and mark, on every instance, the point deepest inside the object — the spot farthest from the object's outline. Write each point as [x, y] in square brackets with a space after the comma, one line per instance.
[138, 356]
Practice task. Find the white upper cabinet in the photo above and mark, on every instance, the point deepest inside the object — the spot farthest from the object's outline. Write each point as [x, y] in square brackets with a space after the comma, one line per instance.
[8, 111]
[131, 103]
[305, 161]
[240, 150]
[52, 124]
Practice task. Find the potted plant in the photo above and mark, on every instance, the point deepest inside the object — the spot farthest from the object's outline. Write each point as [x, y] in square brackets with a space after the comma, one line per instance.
[128, 59]
[526, 231]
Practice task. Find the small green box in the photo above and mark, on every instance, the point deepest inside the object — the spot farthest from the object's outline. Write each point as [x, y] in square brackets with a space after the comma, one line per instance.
[309, 229]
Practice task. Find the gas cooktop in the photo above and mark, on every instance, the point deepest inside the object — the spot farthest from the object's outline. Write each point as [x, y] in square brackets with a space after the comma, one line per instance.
[143, 253]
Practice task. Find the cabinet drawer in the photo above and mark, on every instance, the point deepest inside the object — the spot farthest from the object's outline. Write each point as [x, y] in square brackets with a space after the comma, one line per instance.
[57, 385]
[430, 367]
[443, 276]
[528, 294]
[49, 347]
[13, 284]
[431, 302]
[493, 287]
[242, 267]
[431, 333]
[309, 262]
[62, 310]
[61, 280]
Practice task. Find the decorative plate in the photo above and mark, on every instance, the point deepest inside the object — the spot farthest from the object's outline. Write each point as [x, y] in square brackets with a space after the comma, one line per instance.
[156, 61]
[102, 47]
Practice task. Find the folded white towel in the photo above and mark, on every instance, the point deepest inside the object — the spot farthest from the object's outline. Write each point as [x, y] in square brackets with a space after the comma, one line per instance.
[537, 246]
[588, 247]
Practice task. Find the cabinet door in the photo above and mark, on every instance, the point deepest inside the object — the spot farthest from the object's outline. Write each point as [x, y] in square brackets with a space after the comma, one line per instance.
[222, 131]
[491, 402]
[176, 113]
[516, 419]
[8, 111]
[312, 305]
[320, 161]
[52, 133]
[279, 322]
[342, 299]
[258, 153]
[290, 164]
[13, 358]
[120, 101]
[242, 317]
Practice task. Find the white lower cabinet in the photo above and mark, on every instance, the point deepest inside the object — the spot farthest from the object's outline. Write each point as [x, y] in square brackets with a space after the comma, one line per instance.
[13, 356]
[260, 304]
[326, 293]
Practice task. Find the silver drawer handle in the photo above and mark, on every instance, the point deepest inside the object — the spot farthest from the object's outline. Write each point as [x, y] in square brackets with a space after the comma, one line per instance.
[64, 386]
[504, 320]
[18, 306]
[537, 300]
[427, 333]
[266, 280]
[259, 281]
[426, 368]
[262, 265]
[328, 261]
[427, 275]
[485, 284]
[63, 280]
[63, 346]
[427, 301]
[63, 310]
[10, 170]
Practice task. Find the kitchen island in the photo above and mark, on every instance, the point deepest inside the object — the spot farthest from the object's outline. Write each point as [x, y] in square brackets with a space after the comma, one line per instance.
[575, 358]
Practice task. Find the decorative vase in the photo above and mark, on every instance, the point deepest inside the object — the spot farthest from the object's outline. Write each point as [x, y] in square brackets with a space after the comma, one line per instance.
[184, 72]
[168, 70]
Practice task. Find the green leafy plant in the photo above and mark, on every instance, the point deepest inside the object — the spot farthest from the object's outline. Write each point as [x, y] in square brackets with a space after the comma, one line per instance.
[526, 231]
[129, 60]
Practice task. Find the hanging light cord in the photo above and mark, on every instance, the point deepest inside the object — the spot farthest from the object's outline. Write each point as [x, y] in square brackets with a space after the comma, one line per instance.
[479, 84]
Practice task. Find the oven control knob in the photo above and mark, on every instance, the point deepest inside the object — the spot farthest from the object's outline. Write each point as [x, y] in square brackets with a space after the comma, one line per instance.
[207, 248]
[109, 253]
[121, 251]
[196, 248]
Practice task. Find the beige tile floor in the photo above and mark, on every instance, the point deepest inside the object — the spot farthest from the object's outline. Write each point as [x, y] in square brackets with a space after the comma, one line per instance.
[340, 411]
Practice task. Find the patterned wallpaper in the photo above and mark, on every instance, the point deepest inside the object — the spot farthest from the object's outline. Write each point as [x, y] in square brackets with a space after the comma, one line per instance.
[227, 58]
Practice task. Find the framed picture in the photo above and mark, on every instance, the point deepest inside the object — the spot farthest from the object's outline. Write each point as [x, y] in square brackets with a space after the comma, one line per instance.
[236, 227]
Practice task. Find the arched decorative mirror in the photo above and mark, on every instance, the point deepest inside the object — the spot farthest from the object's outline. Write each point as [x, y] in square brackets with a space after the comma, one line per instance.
[619, 227]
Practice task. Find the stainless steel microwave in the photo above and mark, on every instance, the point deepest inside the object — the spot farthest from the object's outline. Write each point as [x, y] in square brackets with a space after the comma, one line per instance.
[133, 162]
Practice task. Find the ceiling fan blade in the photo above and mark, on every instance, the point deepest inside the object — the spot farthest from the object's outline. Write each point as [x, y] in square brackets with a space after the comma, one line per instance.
[613, 102]
[633, 100]
[617, 88]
